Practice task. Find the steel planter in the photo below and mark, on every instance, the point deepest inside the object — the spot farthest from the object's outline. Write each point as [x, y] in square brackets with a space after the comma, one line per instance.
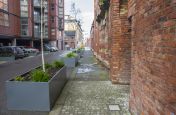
[35, 96]
[71, 62]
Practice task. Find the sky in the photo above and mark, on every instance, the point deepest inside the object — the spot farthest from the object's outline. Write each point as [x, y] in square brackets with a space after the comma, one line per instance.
[87, 13]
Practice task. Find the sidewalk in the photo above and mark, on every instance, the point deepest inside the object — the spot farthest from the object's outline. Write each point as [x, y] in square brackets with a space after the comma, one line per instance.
[89, 92]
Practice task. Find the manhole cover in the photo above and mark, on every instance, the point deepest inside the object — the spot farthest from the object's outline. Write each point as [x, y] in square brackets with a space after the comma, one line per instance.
[114, 107]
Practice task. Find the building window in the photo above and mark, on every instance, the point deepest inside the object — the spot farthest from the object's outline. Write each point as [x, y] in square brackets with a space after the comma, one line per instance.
[37, 16]
[52, 6]
[37, 31]
[61, 3]
[53, 31]
[24, 8]
[4, 19]
[52, 19]
[24, 26]
[4, 5]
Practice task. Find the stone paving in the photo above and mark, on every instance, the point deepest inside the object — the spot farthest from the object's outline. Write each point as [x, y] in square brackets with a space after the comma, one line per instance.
[89, 92]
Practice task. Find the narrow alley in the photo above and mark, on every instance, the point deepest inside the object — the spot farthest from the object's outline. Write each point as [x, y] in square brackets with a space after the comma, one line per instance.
[87, 57]
[90, 92]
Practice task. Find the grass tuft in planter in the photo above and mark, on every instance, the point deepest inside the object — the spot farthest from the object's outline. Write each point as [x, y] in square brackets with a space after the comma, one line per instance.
[48, 66]
[19, 78]
[39, 76]
[58, 64]
[71, 55]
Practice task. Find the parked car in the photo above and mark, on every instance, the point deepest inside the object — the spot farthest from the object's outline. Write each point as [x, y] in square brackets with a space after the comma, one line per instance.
[32, 51]
[54, 49]
[7, 51]
[26, 52]
[50, 48]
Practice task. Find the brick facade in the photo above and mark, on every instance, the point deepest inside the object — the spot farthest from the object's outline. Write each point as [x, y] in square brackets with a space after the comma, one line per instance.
[141, 44]
[112, 40]
[26, 33]
[153, 83]
[13, 30]
[120, 43]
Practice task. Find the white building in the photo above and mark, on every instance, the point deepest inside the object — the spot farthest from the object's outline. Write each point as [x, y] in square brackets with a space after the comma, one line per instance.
[73, 26]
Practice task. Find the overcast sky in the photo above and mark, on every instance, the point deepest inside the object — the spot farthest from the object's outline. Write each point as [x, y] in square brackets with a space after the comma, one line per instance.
[86, 7]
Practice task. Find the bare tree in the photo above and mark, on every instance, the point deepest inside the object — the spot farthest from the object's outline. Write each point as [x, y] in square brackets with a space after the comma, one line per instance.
[74, 10]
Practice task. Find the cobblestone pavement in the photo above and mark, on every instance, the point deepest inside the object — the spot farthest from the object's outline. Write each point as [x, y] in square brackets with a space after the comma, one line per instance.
[89, 92]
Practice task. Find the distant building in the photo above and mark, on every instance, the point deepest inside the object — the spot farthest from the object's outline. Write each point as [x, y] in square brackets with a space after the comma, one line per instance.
[73, 33]
[21, 23]
[88, 42]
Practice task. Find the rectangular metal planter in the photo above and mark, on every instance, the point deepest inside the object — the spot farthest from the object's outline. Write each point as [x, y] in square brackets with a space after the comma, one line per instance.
[35, 96]
[80, 53]
[70, 62]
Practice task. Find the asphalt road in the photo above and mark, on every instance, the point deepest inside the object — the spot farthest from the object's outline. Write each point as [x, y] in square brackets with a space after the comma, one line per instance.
[18, 67]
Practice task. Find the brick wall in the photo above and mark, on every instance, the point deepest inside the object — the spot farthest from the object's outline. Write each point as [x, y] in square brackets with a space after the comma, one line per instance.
[14, 20]
[112, 43]
[120, 61]
[153, 83]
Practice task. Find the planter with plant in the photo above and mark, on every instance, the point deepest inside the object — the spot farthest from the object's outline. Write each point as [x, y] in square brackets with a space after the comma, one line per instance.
[36, 90]
[71, 59]
[80, 52]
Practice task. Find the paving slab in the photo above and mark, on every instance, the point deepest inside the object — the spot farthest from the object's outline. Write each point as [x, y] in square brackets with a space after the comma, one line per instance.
[90, 92]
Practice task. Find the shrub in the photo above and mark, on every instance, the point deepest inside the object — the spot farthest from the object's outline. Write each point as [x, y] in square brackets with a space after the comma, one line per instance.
[39, 76]
[71, 55]
[58, 64]
[47, 66]
[74, 51]
[19, 78]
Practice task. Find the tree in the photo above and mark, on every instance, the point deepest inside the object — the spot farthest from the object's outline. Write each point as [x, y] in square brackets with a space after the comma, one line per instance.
[74, 11]
[43, 59]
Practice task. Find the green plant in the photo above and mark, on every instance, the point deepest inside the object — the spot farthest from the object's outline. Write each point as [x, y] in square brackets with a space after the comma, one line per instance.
[79, 50]
[71, 55]
[58, 64]
[74, 51]
[47, 66]
[39, 76]
[101, 2]
[19, 78]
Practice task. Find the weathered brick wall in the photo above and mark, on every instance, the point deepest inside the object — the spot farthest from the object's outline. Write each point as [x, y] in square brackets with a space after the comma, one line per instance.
[153, 80]
[120, 62]
[100, 44]
[112, 43]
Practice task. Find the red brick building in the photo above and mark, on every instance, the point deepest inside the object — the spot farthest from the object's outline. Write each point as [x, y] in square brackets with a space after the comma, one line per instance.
[141, 45]
[24, 25]
[9, 21]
